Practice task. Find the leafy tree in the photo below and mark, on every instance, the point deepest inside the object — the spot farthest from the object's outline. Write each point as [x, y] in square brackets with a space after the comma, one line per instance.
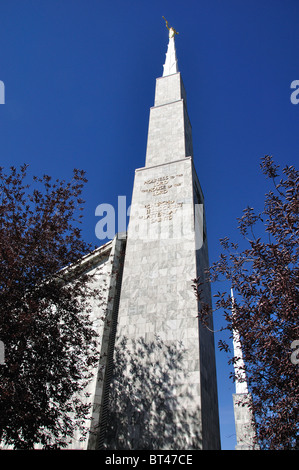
[50, 342]
[264, 277]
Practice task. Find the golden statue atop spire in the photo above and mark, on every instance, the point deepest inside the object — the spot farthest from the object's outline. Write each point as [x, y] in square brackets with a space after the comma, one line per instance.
[172, 31]
[170, 67]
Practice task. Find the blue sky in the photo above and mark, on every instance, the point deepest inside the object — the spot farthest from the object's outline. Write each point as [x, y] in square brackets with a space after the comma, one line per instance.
[79, 81]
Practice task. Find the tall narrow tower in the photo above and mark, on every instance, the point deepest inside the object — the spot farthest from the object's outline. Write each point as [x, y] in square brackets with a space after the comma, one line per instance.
[164, 382]
[244, 423]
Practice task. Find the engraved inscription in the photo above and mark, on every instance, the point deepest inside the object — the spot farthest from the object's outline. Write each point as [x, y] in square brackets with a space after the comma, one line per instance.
[161, 185]
[162, 210]
[165, 209]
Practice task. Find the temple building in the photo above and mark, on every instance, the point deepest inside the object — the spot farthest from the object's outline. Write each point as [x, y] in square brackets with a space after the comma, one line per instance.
[155, 386]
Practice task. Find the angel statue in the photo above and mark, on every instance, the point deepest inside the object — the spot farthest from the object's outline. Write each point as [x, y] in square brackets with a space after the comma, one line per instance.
[171, 30]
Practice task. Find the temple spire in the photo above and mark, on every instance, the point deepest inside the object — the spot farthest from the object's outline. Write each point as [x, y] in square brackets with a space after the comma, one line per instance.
[244, 419]
[171, 65]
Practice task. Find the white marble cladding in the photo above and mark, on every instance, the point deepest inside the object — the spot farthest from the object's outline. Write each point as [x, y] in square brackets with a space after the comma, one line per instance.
[169, 132]
[169, 89]
[245, 429]
[160, 264]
